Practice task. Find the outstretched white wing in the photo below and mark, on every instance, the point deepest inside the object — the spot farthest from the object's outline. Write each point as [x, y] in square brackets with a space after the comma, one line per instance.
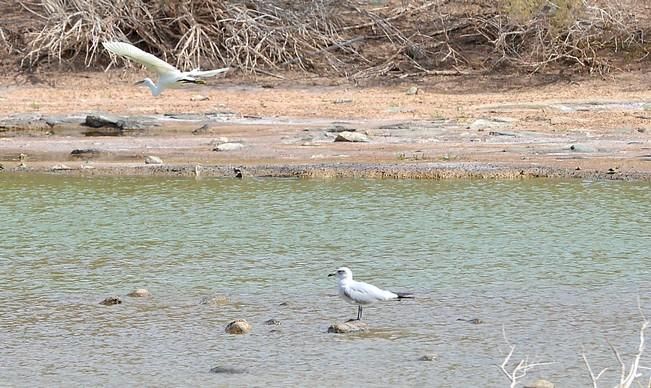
[135, 54]
[207, 73]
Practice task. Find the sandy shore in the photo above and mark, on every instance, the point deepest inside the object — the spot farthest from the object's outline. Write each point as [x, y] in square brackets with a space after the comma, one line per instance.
[497, 127]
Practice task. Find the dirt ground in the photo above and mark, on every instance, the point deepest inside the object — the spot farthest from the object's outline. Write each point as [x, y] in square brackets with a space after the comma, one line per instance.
[516, 124]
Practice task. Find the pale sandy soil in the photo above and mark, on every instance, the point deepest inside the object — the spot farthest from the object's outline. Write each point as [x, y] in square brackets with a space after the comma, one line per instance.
[284, 123]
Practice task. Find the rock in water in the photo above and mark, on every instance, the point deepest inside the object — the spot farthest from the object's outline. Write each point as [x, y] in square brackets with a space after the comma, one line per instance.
[139, 293]
[272, 322]
[226, 370]
[354, 137]
[150, 159]
[353, 326]
[428, 357]
[215, 300]
[238, 326]
[111, 300]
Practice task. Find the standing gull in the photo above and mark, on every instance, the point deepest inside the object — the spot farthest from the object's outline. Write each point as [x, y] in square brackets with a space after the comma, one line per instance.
[361, 293]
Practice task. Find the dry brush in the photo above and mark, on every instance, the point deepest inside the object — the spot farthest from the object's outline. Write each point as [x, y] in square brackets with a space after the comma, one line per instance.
[348, 38]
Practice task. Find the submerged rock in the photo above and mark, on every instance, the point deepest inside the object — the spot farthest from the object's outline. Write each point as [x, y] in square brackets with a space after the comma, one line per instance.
[215, 300]
[353, 326]
[238, 326]
[227, 370]
[272, 322]
[428, 357]
[139, 293]
[354, 137]
[474, 321]
[111, 300]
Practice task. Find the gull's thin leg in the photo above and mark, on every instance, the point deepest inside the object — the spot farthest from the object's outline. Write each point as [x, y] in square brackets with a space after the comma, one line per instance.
[359, 312]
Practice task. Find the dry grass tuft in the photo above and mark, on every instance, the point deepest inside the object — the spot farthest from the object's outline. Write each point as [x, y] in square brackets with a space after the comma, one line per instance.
[356, 39]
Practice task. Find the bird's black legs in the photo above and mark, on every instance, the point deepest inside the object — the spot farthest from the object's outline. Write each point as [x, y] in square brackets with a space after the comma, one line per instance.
[359, 312]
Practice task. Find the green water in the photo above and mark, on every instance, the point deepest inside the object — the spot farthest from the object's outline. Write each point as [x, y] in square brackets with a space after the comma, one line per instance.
[556, 265]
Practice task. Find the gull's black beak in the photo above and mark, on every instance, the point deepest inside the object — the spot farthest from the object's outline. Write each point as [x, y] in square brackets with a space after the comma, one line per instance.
[331, 274]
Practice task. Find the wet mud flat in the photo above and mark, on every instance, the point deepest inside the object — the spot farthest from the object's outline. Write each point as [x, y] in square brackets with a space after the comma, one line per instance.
[567, 139]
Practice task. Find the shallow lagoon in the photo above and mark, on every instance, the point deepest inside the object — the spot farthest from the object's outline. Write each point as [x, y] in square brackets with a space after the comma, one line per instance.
[556, 265]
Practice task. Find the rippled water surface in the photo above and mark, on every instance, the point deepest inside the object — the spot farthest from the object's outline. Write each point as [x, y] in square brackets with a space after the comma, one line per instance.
[556, 266]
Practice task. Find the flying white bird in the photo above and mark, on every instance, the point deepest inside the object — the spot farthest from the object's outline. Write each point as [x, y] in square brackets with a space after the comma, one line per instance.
[361, 293]
[168, 75]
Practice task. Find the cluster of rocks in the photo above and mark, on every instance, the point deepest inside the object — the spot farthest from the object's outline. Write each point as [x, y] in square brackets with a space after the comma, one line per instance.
[137, 293]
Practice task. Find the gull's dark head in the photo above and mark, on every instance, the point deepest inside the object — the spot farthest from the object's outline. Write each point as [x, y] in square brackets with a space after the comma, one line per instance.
[343, 273]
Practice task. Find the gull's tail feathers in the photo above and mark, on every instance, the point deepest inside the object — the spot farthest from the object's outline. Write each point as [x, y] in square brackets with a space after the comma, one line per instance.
[405, 295]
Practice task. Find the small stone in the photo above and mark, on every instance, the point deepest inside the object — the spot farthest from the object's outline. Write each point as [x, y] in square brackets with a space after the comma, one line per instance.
[540, 383]
[354, 137]
[150, 159]
[238, 326]
[229, 147]
[352, 326]
[412, 91]
[60, 167]
[272, 322]
[111, 300]
[139, 293]
[226, 370]
[199, 97]
[343, 101]
[428, 357]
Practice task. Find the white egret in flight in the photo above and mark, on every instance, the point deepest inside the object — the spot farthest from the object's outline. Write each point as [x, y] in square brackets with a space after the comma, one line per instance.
[168, 75]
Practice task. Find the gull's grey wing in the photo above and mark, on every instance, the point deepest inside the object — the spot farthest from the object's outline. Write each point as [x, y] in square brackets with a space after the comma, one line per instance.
[135, 54]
